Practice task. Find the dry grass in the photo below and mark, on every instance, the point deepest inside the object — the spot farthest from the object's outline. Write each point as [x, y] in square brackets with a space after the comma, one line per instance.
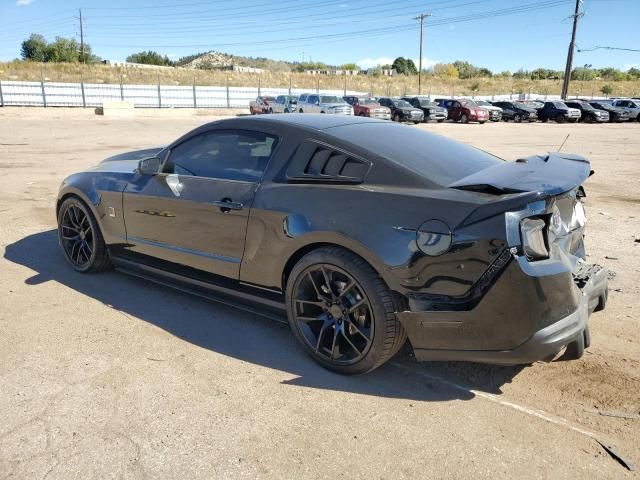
[69, 72]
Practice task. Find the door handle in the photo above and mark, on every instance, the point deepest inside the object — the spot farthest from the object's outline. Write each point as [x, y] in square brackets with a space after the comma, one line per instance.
[226, 205]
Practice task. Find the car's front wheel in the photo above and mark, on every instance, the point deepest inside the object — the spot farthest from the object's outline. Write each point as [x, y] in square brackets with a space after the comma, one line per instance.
[464, 119]
[80, 238]
[342, 312]
[396, 118]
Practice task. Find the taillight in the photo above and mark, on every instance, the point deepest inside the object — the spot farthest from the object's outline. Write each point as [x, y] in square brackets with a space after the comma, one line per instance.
[534, 243]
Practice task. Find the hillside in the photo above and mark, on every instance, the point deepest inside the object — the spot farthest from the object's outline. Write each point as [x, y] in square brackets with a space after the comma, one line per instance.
[74, 72]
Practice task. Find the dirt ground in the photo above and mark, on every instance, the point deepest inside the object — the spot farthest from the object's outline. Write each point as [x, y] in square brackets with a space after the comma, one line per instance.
[107, 375]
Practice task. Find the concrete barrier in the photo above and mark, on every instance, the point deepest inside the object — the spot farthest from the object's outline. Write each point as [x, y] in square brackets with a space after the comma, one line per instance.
[116, 108]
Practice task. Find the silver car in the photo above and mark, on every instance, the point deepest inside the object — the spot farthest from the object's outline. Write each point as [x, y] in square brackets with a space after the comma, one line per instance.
[632, 106]
[318, 103]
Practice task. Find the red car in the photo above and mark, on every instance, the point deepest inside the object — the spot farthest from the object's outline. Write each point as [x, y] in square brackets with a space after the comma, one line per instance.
[260, 105]
[466, 111]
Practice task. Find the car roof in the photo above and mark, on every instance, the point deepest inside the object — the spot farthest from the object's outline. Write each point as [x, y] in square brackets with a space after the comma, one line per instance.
[316, 121]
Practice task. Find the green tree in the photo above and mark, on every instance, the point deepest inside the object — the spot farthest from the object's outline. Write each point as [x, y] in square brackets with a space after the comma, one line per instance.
[634, 72]
[63, 50]
[34, 48]
[400, 65]
[349, 66]
[484, 72]
[465, 69]
[411, 68]
[149, 58]
[606, 89]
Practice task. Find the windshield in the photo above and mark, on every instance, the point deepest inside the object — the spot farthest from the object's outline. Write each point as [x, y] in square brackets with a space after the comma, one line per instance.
[292, 99]
[559, 105]
[483, 103]
[331, 99]
[468, 103]
[427, 103]
[401, 104]
[433, 157]
[367, 101]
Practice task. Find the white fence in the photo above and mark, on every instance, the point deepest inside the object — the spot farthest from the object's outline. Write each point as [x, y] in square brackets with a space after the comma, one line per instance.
[52, 94]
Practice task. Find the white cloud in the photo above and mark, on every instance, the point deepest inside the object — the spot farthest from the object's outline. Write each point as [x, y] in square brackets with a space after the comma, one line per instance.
[627, 66]
[374, 62]
[23, 3]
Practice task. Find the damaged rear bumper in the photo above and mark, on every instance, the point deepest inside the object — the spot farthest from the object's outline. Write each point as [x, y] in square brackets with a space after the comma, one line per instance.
[590, 294]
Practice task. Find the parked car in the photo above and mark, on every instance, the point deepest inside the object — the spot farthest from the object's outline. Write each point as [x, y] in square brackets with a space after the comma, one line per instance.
[632, 106]
[401, 110]
[284, 104]
[260, 105]
[368, 107]
[589, 114]
[467, 256]
[518, 112]
[559, 112]
[495, 112]
[616, 114]
[430, 109]
[466, 111]
[319, 103]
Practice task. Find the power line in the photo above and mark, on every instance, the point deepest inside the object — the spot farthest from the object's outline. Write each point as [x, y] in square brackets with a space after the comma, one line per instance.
[591, 49]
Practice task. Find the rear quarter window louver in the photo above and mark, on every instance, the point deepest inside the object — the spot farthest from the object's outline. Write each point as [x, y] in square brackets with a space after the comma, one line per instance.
[319, 163]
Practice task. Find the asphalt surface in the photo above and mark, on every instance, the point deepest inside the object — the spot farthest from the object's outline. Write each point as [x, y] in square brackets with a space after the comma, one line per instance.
[110, 376]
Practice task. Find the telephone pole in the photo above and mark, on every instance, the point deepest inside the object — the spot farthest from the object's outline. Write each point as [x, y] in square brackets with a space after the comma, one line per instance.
[568, 68]
[81, 37]
[421, 17]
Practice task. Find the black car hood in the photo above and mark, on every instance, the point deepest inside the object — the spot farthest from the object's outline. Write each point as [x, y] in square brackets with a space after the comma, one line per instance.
[134, 155]
[546, 175]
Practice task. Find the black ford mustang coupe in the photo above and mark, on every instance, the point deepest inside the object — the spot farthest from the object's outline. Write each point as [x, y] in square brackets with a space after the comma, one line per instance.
[362, 232]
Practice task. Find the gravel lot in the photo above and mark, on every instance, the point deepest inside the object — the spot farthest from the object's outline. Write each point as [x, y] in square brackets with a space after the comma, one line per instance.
[110, 376]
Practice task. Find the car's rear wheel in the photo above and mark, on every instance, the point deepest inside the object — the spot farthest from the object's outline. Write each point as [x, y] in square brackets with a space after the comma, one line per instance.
[80, 237]
[342, 312]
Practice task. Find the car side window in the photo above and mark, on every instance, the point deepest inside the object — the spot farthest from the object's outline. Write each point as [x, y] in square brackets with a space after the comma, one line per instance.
[226, 155]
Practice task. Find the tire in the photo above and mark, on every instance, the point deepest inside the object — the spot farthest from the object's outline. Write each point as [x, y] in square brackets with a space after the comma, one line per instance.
[286, 110]
[85, 251]
[396, 118]
[271, 110]
[464, 118]
[441, 121]
[482, 122]
[517, 118]
[356, 342]
[544, 120]
[560, 119]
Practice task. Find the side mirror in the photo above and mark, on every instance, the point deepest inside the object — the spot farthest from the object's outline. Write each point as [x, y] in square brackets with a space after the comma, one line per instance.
[149, 166]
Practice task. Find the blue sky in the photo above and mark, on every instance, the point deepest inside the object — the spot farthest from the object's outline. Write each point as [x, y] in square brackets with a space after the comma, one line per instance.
[498, 34]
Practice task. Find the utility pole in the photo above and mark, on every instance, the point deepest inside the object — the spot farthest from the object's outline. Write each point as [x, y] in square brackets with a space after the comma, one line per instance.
[81, 37]
[567, 70]
[421, 17]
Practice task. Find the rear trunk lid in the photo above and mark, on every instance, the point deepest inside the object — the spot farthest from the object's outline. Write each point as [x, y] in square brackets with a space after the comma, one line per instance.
[546, 175]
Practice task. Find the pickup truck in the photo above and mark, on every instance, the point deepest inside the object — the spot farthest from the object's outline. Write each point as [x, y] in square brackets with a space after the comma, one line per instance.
[367, 107]
[631, 105]
[284, 104]
[260, 105]
[318, 103]
[559, 111]
[589, 113]
[430, 109]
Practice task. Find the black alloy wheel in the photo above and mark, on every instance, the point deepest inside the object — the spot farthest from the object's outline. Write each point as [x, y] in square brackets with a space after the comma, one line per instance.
[80, 238]
[341, 312]
[517, 118]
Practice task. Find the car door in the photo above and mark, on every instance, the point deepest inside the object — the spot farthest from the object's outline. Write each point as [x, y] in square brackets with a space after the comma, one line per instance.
[195, 211]
[312, 105]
